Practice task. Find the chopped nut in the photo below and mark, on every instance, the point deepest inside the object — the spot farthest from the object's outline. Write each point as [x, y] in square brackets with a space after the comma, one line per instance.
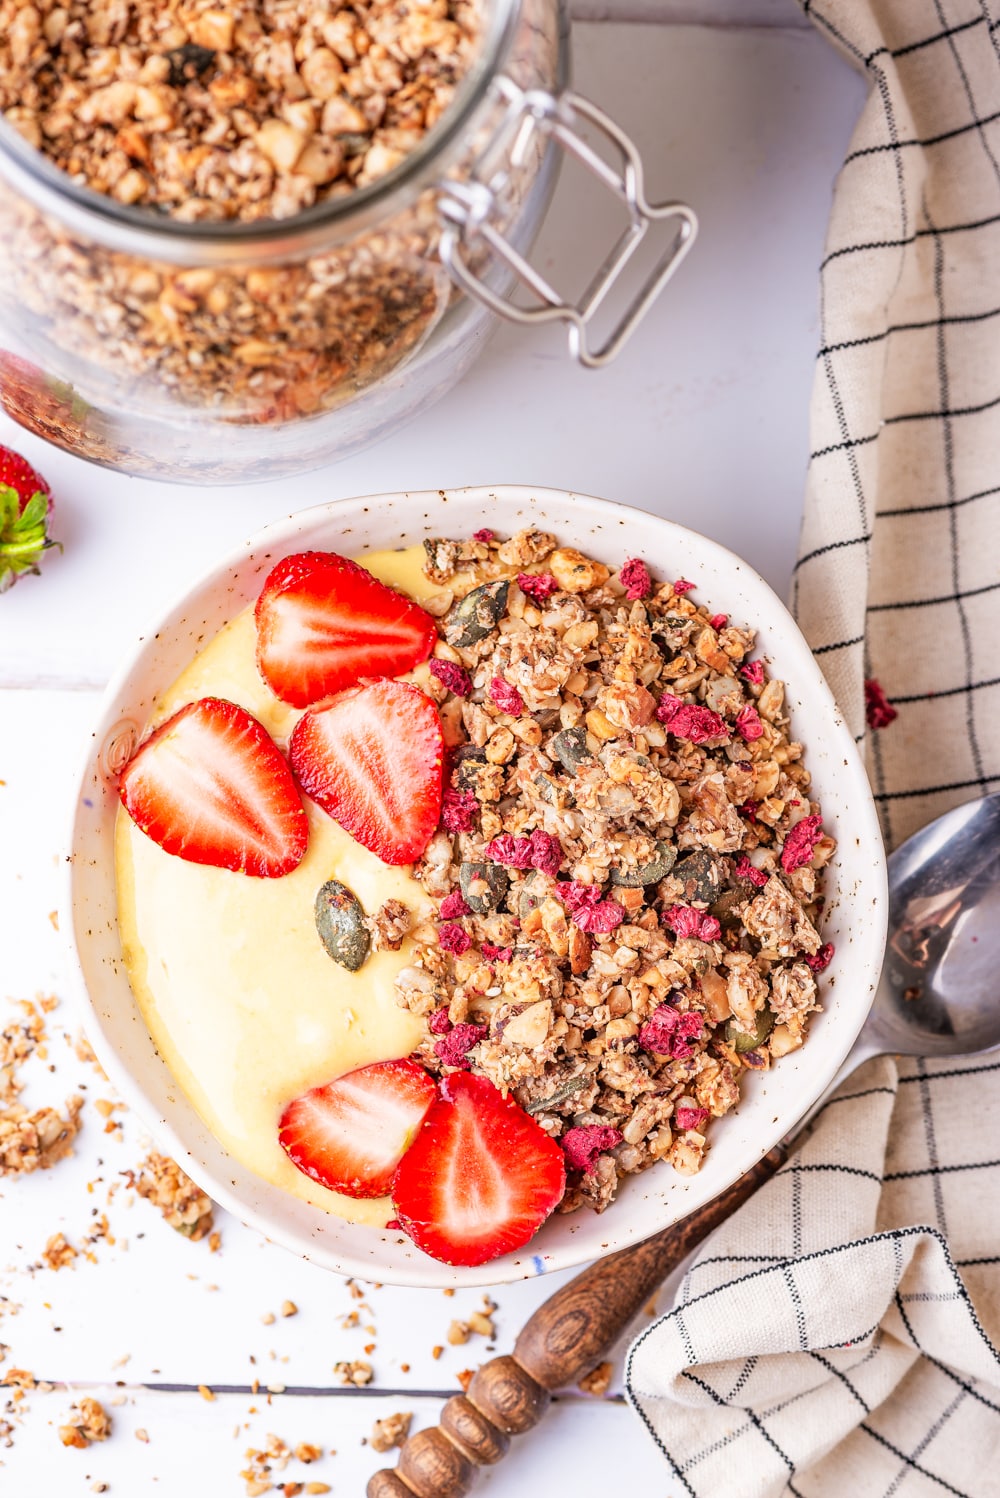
[390, 1431]
[87, 1422]
[289, 1308]
[597, 1381]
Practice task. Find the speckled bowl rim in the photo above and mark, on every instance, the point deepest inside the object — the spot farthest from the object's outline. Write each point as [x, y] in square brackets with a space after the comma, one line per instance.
[855, 918]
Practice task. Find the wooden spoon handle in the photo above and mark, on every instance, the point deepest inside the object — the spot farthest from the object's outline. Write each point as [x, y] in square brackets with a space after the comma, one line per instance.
[563, 1340]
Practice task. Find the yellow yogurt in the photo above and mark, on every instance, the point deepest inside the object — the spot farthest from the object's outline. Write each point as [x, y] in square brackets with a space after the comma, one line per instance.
[244, 1004]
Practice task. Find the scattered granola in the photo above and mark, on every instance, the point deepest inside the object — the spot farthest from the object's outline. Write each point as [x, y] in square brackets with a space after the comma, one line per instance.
[87, 1421]
[183, 1204]
[391, 1431]
[628, 880]
[58, 1251]
[37, 1140]
[597, 1381]
[359, 1373]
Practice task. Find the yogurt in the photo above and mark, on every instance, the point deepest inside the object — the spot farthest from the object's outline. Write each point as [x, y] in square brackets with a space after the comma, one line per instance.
[244, 1004]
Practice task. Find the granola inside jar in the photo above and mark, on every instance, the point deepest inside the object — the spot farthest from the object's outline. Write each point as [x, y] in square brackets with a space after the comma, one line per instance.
[222, 216]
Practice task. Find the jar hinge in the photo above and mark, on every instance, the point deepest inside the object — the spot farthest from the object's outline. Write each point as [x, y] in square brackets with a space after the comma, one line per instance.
[470, 210]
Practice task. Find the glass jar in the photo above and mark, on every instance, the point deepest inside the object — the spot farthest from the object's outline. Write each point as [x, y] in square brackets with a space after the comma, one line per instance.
[234, 351]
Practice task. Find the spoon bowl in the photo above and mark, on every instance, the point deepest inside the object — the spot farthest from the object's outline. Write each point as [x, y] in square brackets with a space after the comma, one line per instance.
[936, 994]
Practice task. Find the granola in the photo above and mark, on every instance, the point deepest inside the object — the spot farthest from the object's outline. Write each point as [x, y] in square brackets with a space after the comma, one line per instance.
[628, 871]
[87, 1421]
[37, 1140]
[183, 1204]
[201, 114]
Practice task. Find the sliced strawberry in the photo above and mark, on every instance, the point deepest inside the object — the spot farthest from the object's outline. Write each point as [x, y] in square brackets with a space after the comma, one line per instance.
[372, 759]
[324, 623]
[481, 1176]
[352, 1133]
[211, 786]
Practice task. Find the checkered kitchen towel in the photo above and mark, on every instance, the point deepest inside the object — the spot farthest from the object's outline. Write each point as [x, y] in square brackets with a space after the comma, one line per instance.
[839, 1337]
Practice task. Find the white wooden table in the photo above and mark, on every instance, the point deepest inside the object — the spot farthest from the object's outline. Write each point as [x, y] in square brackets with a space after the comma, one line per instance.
[703, 420]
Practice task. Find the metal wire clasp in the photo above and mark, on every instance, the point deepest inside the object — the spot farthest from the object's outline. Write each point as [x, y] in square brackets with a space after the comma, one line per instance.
[470, 210]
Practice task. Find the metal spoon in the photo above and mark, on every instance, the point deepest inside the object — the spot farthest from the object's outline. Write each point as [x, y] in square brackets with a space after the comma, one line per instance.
[936, 997]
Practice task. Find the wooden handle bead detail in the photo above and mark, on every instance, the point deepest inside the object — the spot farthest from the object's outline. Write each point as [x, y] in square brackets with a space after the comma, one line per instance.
[472, 1432]
[433, 1467]
[508, 1396]
[563, 1339]
[387, 1484]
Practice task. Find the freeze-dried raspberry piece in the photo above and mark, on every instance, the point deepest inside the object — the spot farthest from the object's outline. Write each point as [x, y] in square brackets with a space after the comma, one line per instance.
[667, 1032]
[718, 621]
[453, 1048]
[748, 724]
[458, 810]
[454, 938]
[749, 810]
[453, 906]
[879, 711]
[537, 585]
[579, 896]
[682, 586]
[507, 698]
[546, 852]
[495, 954]
[689, 720]
[439, 1023]
[753, 671]
[484, 535]
[455, 678]
[746, 870]
[635, 578]
[605, 916]
[690, 1118]
[515, 852]
[540, 851]
[801, 842]
[583, 1144]
[820, 961]
[685, 921]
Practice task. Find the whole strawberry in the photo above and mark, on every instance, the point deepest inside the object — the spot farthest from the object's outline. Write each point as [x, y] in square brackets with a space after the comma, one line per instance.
[25, 506]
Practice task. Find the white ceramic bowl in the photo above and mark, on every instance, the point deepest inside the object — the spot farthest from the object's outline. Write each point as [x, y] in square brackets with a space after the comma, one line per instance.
[854, 919]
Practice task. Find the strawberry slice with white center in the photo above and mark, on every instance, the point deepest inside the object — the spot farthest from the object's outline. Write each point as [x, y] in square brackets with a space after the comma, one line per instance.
[211, 786]
[351, 1134]
[324, 623]
[481, 1176]
[372, 759]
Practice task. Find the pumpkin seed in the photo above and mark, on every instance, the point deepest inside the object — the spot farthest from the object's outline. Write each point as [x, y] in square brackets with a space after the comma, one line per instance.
[478, 613]
[340, 922]
[543, 1104]
[495, 879]
[647, 873]
[570, 748]
[467, 760]
[741, 1042]
[701, 876]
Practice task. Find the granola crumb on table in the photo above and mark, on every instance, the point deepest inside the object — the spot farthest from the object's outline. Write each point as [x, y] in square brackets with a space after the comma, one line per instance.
[390, 1431]
[183, 1204]
[88, 1421]
[628, 868]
